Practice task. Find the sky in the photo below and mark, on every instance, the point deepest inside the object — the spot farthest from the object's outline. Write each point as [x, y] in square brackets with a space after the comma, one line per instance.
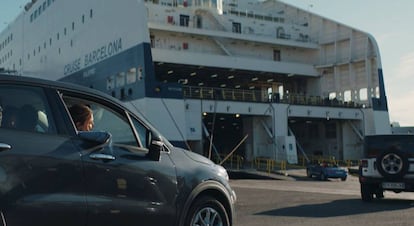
[389, 22]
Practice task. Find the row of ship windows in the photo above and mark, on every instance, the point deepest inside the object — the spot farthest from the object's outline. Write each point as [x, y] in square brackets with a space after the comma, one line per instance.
[65, 32]
[40, 9]
[38, 49]
[6, 41]
[6, 56]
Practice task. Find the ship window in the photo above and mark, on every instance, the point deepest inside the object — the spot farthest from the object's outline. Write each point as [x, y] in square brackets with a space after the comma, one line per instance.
[50, 41]
[377, 92]
[73, 26]
[152, 41]
[90, 13]
[276, 55]
[184, 19]
[83, 19]
[57, 36]
[48, 2]
[44, 45]
[59, 51]
[44, 5]
[259, 17]
[40, 10]
[64, 31]
[236, 27]
[347, 96]
[31, 17]
[363, 94]
[131, 76]
[332, 96]
[199, 21]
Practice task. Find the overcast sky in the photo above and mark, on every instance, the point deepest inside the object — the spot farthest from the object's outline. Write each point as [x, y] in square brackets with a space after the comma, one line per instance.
[390, 22]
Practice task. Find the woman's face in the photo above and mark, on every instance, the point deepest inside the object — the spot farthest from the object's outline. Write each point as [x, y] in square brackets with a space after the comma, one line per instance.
[87, 125]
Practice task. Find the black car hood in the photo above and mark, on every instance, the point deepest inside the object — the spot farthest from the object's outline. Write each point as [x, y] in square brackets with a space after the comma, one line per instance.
[196, 157]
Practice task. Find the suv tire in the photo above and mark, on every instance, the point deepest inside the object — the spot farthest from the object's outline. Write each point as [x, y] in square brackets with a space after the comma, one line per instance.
[207, 211]
[392, 164]
[367, 193]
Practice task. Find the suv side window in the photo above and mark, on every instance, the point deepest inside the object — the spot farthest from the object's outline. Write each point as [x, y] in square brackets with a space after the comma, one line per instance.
[106, 119]
[143, 133]
[25, 108]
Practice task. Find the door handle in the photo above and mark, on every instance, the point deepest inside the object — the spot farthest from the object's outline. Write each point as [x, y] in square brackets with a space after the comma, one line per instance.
[100, 156]
[4, 147]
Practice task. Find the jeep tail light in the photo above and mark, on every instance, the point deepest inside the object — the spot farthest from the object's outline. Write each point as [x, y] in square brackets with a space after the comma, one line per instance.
[372, 152]
[363, 163]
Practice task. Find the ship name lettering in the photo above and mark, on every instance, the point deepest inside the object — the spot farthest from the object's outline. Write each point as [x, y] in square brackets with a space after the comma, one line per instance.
[72, 66]
[103, 52]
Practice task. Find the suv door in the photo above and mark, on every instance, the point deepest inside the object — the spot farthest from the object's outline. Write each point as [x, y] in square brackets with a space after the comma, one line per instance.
[40, 168]
[124, 186]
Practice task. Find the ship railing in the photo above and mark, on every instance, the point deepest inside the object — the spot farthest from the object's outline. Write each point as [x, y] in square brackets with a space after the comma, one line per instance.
[301, 36]
[214, 93]
[211, 93]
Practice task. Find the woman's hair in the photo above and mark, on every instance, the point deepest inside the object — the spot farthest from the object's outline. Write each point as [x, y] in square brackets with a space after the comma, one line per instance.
[80, 113]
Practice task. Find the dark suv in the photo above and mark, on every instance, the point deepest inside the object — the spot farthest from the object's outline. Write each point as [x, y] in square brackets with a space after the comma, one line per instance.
[123, 172]
[388, 165]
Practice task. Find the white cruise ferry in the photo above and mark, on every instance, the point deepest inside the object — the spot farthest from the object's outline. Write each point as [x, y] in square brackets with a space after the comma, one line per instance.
[260, 78]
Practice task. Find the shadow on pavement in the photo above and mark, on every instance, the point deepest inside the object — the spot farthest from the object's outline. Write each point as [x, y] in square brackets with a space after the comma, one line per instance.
[337, 208]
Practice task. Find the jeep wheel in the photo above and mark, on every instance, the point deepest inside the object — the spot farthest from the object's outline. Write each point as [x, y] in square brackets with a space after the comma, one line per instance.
[392, 164]
[308, 173]
[323, 177]
[379, 194]
[207, 211]
[367, 193]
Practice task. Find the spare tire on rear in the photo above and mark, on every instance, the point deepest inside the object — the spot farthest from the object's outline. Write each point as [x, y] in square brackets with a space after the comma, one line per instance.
[392, 164]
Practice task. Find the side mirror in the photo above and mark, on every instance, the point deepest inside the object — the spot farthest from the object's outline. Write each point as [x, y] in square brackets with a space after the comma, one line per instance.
[95, 139]
[155, 148]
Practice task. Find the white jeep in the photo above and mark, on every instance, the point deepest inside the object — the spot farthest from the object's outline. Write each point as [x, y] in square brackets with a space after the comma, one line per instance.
[388, 164]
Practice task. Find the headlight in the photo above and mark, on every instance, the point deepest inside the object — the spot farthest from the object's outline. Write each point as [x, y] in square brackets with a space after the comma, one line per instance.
[222, 172]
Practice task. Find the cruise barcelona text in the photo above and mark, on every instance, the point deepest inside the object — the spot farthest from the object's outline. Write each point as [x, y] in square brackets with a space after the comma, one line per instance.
[94, 56]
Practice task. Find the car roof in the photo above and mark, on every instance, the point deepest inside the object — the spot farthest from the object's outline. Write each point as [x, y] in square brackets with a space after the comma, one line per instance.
[23, 80]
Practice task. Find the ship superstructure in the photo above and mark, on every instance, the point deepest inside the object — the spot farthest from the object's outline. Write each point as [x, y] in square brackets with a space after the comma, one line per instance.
[268, 78]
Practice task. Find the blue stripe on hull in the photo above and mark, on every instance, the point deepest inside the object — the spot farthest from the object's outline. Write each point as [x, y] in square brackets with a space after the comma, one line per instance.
[99, 75]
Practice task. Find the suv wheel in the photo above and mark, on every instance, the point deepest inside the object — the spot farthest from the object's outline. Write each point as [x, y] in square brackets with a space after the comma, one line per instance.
[207, 211]
[367, 193]
[392, 164]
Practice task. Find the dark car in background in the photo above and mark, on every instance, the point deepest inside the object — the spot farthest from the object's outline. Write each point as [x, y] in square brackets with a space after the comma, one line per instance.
[123, 172]
[324, 170]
